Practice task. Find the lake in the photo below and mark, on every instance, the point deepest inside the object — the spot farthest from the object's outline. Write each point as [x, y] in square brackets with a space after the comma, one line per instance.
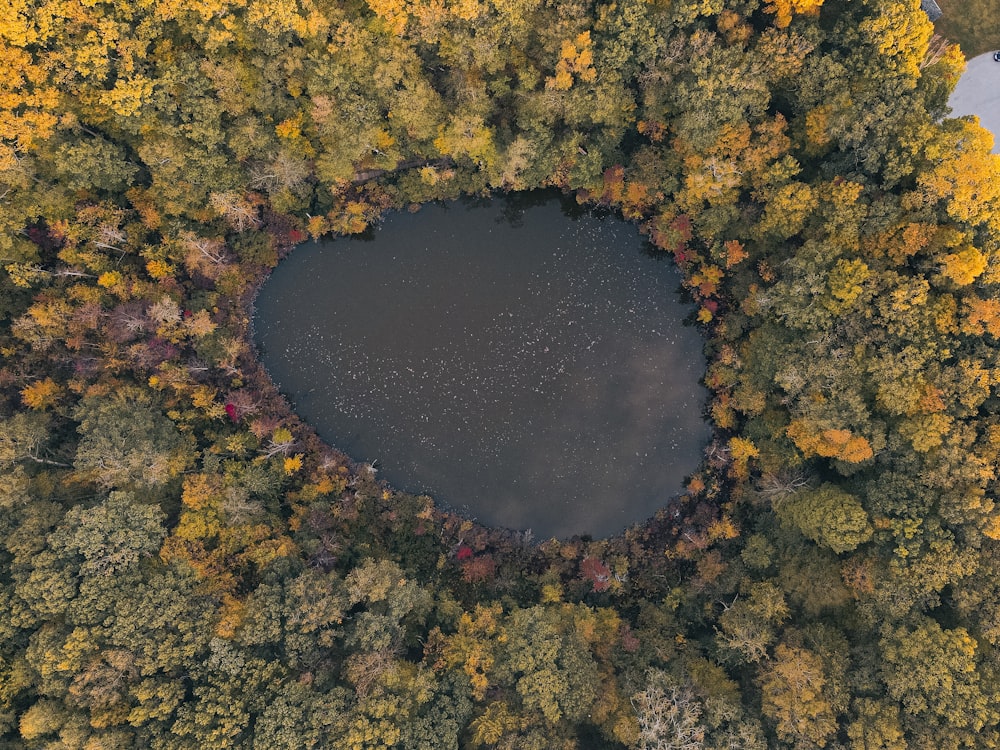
[522, 361]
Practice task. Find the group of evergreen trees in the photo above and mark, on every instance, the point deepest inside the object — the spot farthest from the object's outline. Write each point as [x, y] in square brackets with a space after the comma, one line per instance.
[183, 564]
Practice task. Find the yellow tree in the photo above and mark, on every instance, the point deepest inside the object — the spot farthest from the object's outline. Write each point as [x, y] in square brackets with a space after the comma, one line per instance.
[792, 693]
[783, 10]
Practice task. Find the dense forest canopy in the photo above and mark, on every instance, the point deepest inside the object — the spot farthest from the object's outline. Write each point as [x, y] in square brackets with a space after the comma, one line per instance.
[184, 565]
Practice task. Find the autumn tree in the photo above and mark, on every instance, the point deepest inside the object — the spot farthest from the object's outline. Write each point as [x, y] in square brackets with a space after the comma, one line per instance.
[792, 689]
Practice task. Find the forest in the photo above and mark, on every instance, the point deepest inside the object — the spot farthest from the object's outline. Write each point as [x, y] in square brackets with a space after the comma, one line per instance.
[184, 564]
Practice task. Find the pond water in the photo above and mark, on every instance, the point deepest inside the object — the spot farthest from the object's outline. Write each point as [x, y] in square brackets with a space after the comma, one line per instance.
[523, 363]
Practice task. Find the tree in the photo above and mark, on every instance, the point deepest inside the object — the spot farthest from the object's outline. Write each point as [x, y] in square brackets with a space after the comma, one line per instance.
[748, 626]
[549, 665]
[792, 691]
[231, 686]
[784, 9]
[829, 516]
[111, 536]
[669, 715]
[92, 162]
[932, 672]
[23, 437]
[299, 717]
[875, 726]
[125, 440]
[388, 602]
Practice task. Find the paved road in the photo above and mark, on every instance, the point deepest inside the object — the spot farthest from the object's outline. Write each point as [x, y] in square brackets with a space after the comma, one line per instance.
[978, 93]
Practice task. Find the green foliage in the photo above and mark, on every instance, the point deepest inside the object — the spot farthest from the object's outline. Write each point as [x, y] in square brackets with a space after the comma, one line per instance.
[748, 626]
[932, 671]
[827, 515]
[551, 667]
[125, 440]
[111, 536]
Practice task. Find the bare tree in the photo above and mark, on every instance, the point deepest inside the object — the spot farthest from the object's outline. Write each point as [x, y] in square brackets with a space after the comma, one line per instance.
[668, 714]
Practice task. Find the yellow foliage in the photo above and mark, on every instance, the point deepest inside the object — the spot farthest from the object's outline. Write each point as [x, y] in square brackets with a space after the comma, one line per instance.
[203, 397]
[159, 269]
[788, 208]
[490, 727]
[991, 527]
[468, 136]
[734, 27]
[195, 527]
[284, 16]
[576, 57]
[784, 9]
[817, 126]
[50, 314]
[128, 95]
[831, 443]
[282, 435]
[291, 128]
[723, 529]
[293, 463]
[552, 593]
[41, 394]
[964, 177]
[722, 412]
[317, 226]
[793, 697]
[982, 315]
[742, 450]
[231, 616]
[626, 730]
[846, 282]
[926, 431]
[394, 13]
[472, 646]
[110, 279]
[44, 717]
[200, 324]
[200, 490]
[26, 101]
[238, 444]
[384, 139]
[900, 35]
[597, 627]
[963, 266]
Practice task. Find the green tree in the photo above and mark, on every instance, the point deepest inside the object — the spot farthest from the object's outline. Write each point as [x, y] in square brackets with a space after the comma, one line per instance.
[111, 536]
[829, 516]
[125, 440]
[748, 625]
[549, 664]
[932, 672]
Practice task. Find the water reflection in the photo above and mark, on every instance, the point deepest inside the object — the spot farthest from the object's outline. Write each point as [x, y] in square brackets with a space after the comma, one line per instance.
[528, 368]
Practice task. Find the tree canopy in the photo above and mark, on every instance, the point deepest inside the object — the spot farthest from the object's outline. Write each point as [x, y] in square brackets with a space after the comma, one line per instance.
[184, 564]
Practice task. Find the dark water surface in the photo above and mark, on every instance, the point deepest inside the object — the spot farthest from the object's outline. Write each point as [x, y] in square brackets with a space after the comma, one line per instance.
[524, 367]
